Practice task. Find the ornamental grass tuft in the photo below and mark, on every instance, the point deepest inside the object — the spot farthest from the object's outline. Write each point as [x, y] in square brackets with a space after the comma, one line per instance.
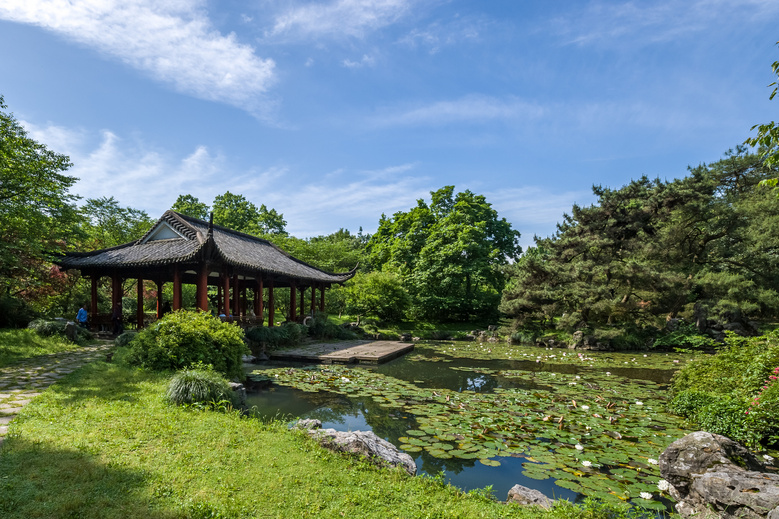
[198, 385]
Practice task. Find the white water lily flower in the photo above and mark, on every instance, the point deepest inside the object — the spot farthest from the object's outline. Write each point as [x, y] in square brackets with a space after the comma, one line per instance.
[345, 379]
[587, 463]
[639, 403]
[651, 461]
[663, 485]
[645, 495]
[585, 407]
[579, 447]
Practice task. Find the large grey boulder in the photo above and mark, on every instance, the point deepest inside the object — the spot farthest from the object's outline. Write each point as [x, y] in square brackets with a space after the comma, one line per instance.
[528, 496]
[367, 444]
[239, 393]
[70, 331]
[711, 476]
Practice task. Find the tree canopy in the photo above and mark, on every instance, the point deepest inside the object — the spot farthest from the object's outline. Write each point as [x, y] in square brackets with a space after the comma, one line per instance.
[37, 210]
[448, 253]
[653, 249]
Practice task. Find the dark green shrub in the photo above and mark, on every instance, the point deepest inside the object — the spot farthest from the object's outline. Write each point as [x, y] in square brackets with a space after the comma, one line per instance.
[126, 338]
[199, 385]
[14, 313]
[273, 338]
[324, 329]
[48, 328]
[183, 338]
[686, 337]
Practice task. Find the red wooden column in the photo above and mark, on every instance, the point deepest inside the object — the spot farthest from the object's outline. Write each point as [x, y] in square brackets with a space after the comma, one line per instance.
[176, 288]
[258, 293]
[160, 284]
[313, 299]
[302, 301]
[93, 303]
[139, 311]
[116, 290]
[293, 307]
[271, 305]
[226, 292]
[236, 297]
[322, 298]
[202, 288]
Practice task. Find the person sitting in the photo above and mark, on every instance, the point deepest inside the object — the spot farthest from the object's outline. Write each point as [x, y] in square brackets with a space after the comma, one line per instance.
[82, 316]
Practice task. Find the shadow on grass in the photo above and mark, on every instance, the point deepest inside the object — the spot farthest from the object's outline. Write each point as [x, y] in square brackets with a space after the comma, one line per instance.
[37, 481]
[104, 381]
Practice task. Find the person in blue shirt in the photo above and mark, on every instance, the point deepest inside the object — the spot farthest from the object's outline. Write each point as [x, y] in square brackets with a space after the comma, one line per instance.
[82, 316]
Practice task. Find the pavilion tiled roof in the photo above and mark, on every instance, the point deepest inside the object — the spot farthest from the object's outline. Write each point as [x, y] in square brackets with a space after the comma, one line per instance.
[196, 238]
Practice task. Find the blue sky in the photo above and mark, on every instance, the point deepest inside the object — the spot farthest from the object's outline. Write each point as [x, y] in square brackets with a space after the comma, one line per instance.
[336, 111]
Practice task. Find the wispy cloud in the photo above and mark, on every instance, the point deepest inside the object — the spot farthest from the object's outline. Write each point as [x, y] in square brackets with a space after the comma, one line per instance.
[438, 35]
[173, 42]
[150, 179]
[471, 108]
[366, 61]
[653, 22]
[340, 18]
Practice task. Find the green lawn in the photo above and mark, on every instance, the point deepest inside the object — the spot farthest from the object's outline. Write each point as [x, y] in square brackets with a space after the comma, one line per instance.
[16, 345]
[102, 443]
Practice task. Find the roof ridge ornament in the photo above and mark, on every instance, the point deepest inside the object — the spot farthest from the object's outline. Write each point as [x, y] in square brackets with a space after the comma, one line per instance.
[210, 226]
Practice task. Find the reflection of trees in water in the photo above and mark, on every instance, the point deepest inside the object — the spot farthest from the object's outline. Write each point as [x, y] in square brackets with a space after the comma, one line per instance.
[330, 407]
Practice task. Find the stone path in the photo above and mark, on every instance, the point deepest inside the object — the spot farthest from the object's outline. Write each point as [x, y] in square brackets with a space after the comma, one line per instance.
[23, 381]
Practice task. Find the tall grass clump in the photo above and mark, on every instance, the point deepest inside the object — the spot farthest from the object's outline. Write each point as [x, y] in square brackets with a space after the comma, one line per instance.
[198, 385]
[183, 338]
[734, 392]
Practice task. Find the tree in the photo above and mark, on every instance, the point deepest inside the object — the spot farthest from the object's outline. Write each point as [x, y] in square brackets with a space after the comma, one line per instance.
[767, 138]
[237, 213]
[190, 206]
[37, 212]
[448, 254]
[107, 224]
[654, 249]
[377, 294]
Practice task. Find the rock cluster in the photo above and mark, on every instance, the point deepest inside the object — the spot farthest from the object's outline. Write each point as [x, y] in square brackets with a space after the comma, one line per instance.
[528, 496]
[364, 443]
[713, 477]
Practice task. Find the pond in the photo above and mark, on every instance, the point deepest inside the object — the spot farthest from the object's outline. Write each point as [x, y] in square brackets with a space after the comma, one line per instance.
[569, 424]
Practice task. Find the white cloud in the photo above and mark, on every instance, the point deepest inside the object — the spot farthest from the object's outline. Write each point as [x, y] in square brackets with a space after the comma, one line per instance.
[471, 108]
[340, 17]
[652, 22]
[366, 61]
[173, 42]
[438, 35]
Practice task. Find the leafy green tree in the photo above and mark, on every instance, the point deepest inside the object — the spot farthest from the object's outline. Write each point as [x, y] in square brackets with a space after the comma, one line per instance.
[190, 206]
[340, 251]
[449, 254]
[237, 213]
[377, 294]
[108, 224]
[37, 212]
[767, 138]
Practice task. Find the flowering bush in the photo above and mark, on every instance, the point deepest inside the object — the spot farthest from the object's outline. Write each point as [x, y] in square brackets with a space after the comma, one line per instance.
[764, 407]
[733, 393]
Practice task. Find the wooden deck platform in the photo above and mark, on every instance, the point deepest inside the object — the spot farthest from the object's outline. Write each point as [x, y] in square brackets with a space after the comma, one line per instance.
[346, 352]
